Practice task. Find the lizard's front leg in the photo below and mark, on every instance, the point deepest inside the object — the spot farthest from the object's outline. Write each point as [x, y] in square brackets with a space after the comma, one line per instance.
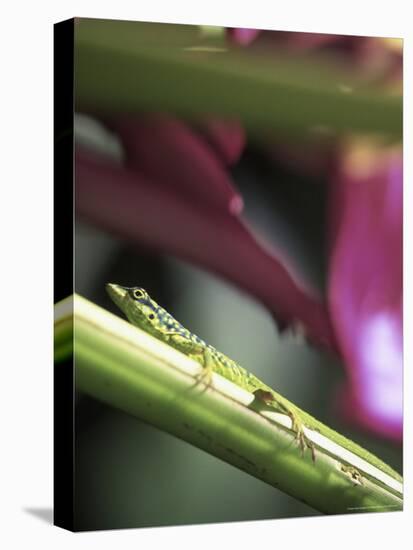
[199, 352]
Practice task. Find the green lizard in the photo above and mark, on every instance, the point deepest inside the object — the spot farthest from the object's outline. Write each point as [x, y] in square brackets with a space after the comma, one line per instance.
[146, 314]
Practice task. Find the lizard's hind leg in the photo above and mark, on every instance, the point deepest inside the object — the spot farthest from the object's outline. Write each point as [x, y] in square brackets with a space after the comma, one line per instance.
[303, 441]
[296, 424]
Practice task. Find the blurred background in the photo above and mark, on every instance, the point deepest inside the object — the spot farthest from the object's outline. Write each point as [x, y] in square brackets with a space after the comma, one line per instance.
[129, 474]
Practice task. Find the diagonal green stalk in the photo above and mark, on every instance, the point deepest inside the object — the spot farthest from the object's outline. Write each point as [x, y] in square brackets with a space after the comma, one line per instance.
[128, 369]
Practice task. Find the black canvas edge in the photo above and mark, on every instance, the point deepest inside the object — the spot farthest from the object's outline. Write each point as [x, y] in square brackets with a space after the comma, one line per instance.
[63, 426]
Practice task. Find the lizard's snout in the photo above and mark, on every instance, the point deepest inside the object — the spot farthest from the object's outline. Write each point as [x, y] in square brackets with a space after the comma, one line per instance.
[116, 292]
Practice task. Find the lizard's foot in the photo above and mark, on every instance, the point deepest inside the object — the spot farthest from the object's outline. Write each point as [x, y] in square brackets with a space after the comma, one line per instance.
[297, 426]
[204, 377]
[303, 441]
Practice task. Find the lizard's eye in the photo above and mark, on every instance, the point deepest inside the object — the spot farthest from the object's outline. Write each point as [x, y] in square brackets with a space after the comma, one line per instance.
[151, 316]
[137, 294]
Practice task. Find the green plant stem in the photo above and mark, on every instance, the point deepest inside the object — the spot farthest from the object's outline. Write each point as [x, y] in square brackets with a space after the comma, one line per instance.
[63, 329]
[129, 67]
[128, 369]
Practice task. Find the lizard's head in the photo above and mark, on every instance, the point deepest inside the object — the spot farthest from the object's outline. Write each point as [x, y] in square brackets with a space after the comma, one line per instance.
[137, 305]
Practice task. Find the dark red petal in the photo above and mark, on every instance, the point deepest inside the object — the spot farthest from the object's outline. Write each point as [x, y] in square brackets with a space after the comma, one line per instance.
[226, 137]
[170, 153]
[129, 204]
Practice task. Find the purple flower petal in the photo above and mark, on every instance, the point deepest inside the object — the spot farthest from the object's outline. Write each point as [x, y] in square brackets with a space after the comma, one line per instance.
[365, 288]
